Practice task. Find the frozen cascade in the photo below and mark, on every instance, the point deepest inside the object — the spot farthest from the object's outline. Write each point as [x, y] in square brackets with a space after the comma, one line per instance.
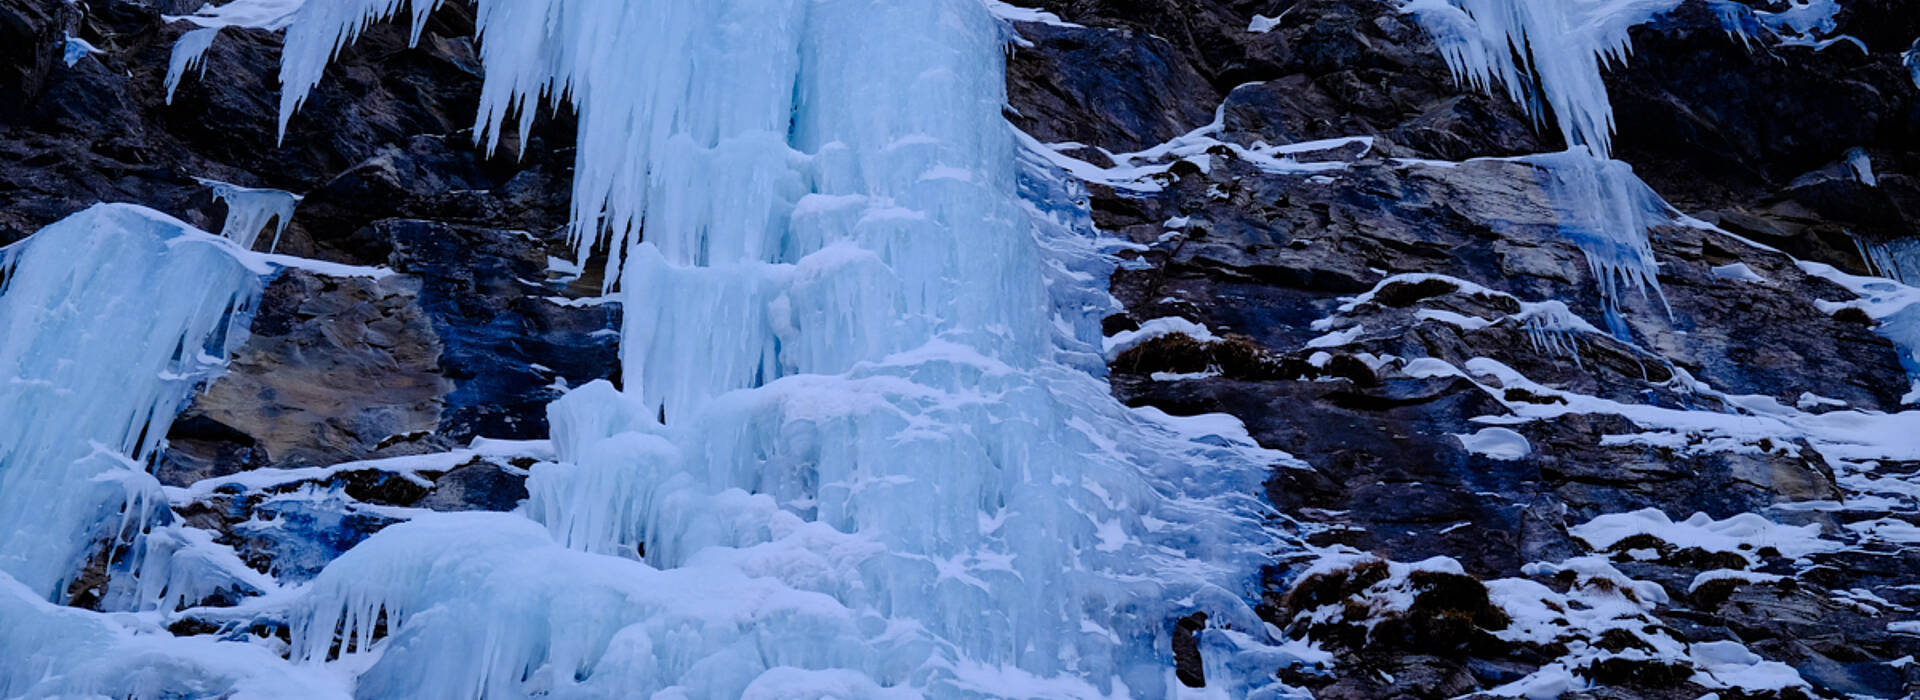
[859, 453]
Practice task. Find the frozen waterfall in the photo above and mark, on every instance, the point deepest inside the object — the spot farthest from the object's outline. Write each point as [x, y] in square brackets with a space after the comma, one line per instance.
[849, 457]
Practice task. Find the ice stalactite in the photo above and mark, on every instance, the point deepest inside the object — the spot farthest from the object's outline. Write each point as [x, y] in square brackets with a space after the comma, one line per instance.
[1608, 212]
[190, 50]
[189, 54]
[251, 209]
[1549, 56]
[859, 451]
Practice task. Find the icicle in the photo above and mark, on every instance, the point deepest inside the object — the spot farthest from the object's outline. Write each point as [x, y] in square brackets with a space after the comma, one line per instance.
[1608, 211]
[250, 209]
[189, 53]
[316, 32]
[108, 320]
[1862, 167]
[1554, 329]
[1738, 21]
[190, 50]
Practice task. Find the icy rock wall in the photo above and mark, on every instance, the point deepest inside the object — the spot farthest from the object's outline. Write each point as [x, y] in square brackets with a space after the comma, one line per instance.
[1549, 56]
[108, 321]
[851, 456]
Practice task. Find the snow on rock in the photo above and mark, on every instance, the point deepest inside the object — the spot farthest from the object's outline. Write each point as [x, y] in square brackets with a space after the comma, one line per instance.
[1737, 271]
[1744, 534]
[1890, 301]
[1496, 443]
[1729, 664]
[1587, 618]
[1151, 170]
[1120, 342]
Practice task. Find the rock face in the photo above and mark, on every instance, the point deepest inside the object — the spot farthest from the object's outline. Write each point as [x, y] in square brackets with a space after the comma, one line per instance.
[1412, 323]
[1338, 288]
[336, 370]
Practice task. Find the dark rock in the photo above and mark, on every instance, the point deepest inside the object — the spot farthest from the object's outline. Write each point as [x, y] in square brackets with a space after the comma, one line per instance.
[335, 369]
[1187, 664]
[477, 485]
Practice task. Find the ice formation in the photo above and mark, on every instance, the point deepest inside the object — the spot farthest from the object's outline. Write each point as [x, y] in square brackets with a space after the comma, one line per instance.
[74, 49]
[1896, 259]
[1608, 211]
[1547, 55]
[251, 209]
[858, 452]
[1809, 23]
[1862, 166]
[1912, 59]
[112, 316]
[189, 51]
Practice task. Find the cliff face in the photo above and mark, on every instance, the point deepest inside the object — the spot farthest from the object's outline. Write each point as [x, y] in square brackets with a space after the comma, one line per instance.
[1498, 487]
[1328, 287]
